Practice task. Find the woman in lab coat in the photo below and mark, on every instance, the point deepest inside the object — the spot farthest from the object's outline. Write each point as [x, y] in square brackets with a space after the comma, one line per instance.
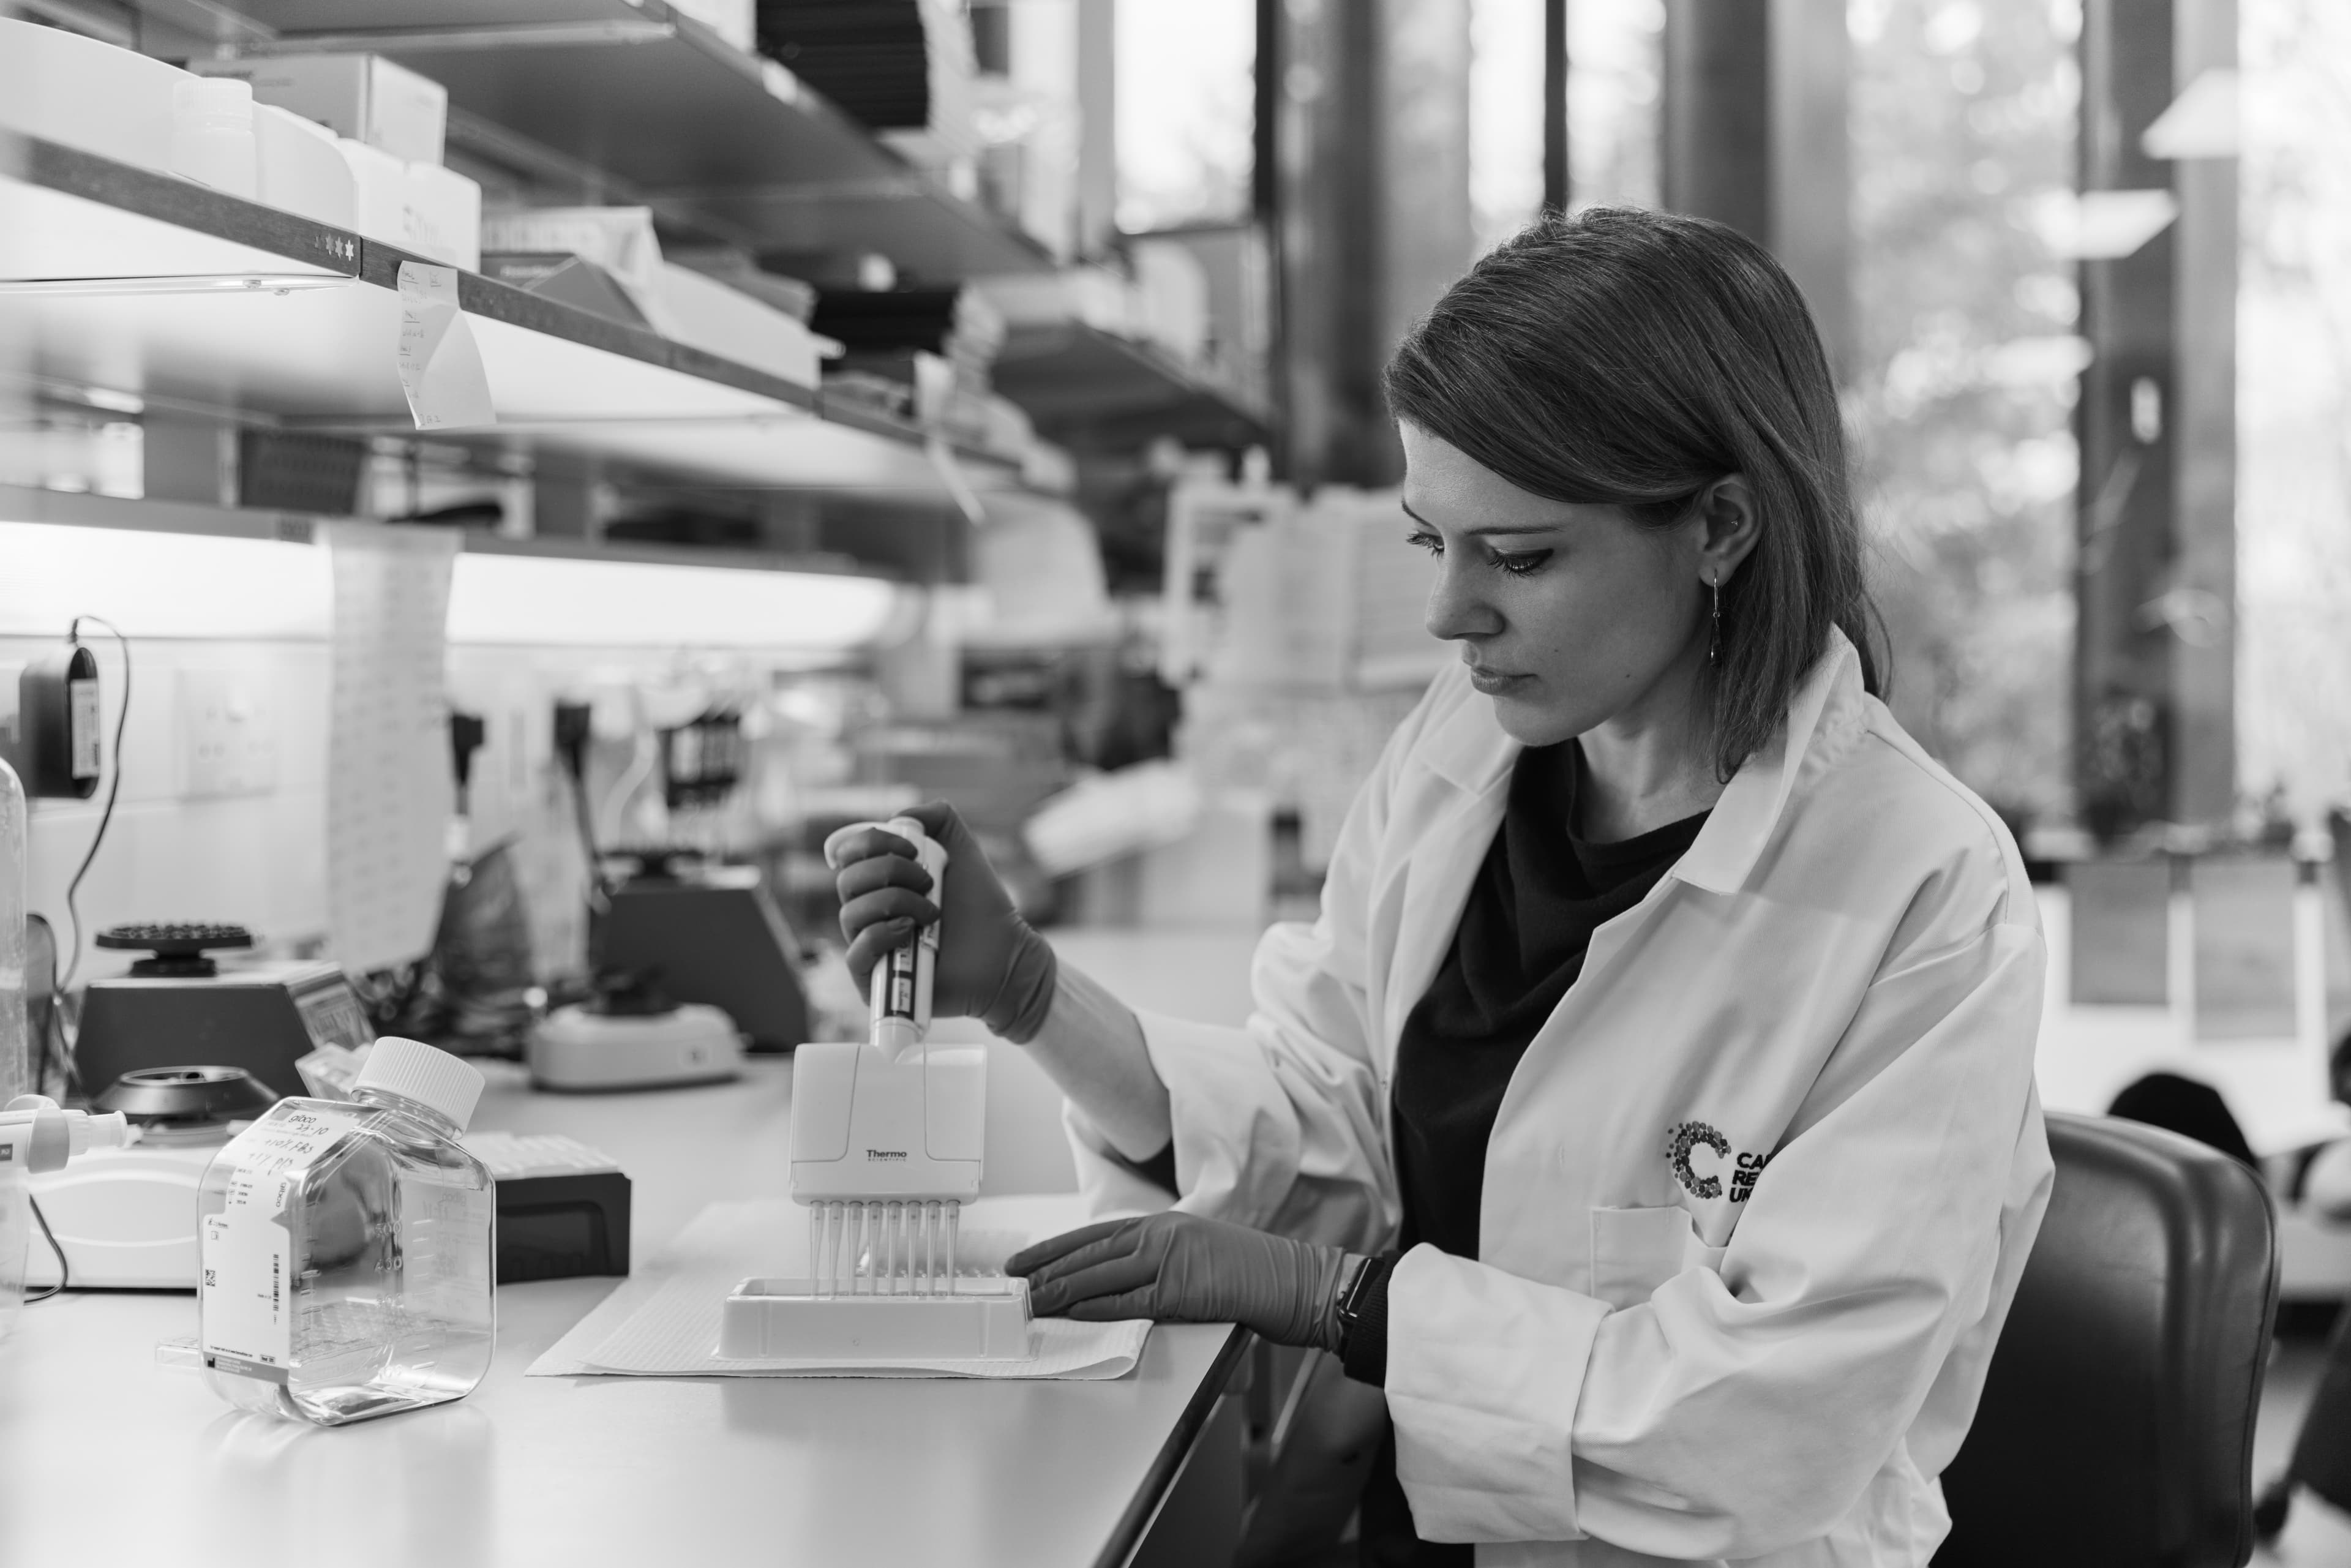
[1650, 1111]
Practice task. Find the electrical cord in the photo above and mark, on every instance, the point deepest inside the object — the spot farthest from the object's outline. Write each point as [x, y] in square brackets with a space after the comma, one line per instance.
[56, 1042]
[113, 789]
[64, 1271]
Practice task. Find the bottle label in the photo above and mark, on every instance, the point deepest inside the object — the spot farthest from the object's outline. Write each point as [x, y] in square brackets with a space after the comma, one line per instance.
[246, 1286]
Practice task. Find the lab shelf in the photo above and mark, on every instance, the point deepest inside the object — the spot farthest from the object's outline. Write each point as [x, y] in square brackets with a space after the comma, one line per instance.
[19, 503]
[656, 99]
[1089, 388]
[309, 342]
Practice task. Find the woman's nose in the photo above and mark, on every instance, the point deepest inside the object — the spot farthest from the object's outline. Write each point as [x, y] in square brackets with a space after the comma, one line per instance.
[1456, 610]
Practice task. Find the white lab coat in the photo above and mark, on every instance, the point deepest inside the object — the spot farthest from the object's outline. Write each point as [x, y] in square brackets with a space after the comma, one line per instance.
[1664, 1349]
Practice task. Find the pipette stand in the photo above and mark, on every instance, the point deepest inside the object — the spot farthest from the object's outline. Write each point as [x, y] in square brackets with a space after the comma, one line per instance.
[884, 1156]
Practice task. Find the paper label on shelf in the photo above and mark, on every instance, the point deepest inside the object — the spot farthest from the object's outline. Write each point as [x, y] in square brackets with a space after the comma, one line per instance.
[389, 791]
[440, 364]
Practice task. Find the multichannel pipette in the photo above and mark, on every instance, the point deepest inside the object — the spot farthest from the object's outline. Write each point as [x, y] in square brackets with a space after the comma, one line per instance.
[887, 1133]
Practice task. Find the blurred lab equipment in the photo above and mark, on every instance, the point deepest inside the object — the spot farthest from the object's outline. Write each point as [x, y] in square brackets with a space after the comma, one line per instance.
[563, 1207]
[349, 1248]
[887, 1146]
[715, 938]
[125, 1217]
[632, 1034]
[16, 1061]
[36, 1136]
[178, 1006]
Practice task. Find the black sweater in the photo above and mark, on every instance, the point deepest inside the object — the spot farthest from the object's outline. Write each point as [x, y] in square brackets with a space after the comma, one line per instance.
[1540, 895]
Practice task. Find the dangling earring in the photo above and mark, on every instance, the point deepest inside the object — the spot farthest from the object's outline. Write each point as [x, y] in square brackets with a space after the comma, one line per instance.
[1714, 635]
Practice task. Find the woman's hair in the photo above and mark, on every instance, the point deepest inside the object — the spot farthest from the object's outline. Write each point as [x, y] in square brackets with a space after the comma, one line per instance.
[1631, 359]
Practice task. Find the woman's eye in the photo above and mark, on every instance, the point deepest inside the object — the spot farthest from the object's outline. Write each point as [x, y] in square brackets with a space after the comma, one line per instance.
[1523, 564]
[1428, 542]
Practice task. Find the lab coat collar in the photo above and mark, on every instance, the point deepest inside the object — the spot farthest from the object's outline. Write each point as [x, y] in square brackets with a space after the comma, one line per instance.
[1471, 751]
[1741, 822]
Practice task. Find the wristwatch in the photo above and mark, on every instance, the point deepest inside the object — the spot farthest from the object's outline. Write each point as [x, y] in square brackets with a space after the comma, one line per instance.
[1351, 1303]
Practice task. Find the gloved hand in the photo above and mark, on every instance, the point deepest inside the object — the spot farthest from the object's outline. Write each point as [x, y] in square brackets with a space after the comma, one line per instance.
[991, 965]
[1183, 1268]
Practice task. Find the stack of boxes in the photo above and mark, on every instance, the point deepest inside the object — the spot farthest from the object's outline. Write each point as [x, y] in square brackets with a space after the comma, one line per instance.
[388, 123]
[350, 140]
[905, 69]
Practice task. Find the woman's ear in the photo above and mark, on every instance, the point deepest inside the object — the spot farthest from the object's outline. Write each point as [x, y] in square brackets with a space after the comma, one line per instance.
[1727, 525]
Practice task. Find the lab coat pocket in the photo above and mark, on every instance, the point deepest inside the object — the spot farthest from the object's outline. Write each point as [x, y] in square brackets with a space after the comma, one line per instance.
[1635, 1251]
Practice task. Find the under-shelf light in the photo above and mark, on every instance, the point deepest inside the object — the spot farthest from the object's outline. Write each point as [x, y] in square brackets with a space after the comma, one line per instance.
[280, 283]
[161, 584]
[544, 601]
[208, 586]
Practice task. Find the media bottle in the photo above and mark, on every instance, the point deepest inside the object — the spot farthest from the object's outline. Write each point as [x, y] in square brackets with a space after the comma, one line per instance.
[349, 1246]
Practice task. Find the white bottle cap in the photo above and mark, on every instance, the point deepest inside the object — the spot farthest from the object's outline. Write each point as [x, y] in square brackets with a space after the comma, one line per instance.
[447, 1083]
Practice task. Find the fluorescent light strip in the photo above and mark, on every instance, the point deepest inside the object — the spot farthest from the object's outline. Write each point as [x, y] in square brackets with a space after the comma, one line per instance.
[161, 585]
[541, 601]
[195, 585]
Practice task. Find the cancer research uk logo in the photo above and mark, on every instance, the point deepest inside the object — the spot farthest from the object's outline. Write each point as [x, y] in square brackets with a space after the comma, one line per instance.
[1691, 1136]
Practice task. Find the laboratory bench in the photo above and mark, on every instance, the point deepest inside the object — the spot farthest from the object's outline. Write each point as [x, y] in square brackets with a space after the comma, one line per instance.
[108, 1455]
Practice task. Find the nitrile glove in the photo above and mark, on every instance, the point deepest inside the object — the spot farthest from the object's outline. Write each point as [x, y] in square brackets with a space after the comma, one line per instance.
[991, 965]
[1182, 1269]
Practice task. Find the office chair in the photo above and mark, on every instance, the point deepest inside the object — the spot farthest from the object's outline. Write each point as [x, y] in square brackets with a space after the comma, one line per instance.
[2117, 1425]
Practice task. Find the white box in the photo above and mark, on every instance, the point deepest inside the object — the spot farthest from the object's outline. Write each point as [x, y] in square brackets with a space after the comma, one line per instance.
[379, 191]
[788, 1319]
[703, 313]
[301, 170]
[420, 207]
[364, 97]
[444, 217]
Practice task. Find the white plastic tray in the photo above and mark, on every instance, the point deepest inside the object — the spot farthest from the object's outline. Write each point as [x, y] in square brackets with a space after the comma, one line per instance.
[777, 1318]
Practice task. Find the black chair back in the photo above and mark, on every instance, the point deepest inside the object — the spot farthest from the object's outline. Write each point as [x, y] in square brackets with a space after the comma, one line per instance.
[2117, 1423]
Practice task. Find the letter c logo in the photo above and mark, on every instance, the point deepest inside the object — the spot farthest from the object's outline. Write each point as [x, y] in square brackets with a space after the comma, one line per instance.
[1687, 1137]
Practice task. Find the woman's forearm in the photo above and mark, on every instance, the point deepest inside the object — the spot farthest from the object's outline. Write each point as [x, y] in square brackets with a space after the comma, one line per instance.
[1091, 1045]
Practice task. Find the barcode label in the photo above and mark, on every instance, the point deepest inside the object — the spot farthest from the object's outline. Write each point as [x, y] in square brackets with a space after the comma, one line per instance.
[82, 727]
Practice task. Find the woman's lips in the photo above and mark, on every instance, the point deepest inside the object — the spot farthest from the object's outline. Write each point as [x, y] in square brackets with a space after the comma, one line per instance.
[1493, 683]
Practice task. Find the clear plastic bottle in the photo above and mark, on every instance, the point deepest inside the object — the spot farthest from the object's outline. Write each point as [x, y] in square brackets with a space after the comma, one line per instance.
[16, 1044]
[349, 1248]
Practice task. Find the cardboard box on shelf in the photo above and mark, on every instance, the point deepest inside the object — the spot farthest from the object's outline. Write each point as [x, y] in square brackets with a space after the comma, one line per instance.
[444, 215]
[621, 240]
[420, 207]
[366, 98]
[704, 313]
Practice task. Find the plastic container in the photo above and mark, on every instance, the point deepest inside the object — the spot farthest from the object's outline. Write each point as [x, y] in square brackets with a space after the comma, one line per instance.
[349, 1248]
[301, 171]
[213, 141]
[102, 98]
